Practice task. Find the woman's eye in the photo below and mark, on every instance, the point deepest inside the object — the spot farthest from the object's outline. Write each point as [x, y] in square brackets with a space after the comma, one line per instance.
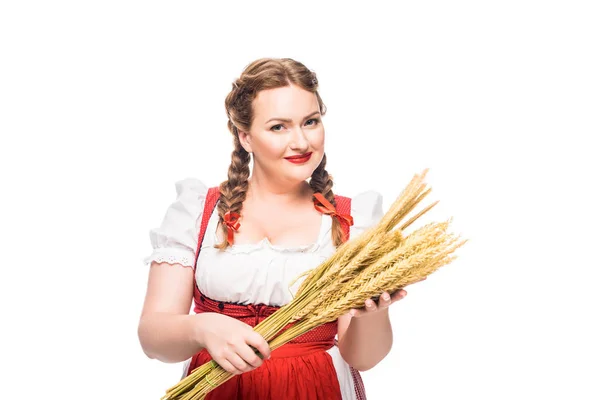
[275, 127]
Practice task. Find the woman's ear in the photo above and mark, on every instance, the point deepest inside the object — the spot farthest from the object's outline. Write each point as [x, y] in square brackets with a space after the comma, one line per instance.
[245, 140]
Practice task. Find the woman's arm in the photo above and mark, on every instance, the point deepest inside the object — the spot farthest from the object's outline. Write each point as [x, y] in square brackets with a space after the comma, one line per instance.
[167, 331]
[364, 342]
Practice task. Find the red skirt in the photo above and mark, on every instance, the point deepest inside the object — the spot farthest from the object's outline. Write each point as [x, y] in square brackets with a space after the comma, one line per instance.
[293, 372]
[301, 369]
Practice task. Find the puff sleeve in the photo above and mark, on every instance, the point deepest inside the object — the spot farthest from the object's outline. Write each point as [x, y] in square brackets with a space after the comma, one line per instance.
[176, 239]
[366, 210]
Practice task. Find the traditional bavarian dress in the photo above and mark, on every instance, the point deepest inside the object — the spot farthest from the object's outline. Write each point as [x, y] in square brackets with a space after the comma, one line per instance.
[250, 282]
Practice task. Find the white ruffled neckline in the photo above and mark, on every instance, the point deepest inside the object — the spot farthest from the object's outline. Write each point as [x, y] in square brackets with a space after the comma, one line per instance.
[265, 243]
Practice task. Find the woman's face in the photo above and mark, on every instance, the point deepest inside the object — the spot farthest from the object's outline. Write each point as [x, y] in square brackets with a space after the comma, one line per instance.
[287, 122]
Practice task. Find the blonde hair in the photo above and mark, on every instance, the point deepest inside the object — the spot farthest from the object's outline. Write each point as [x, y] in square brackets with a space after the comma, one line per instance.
[263, 74]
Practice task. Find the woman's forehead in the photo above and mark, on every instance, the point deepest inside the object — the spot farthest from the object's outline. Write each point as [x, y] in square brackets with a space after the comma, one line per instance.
[289, 102]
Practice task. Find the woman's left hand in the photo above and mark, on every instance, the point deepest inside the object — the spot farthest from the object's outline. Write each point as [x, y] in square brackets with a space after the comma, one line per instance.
[385, 300]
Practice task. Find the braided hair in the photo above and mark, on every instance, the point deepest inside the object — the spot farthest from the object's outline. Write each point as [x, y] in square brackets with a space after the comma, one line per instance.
[263, 74]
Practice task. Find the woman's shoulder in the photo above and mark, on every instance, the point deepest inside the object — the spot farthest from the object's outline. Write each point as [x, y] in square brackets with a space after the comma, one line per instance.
[191, 187]
[175, 239]
[191, 195]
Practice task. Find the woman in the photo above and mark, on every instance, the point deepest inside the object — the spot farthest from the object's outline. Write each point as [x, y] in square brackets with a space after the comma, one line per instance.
[236, 252]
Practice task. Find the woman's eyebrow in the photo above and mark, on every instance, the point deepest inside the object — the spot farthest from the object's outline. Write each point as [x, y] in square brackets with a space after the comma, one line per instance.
[289, 120]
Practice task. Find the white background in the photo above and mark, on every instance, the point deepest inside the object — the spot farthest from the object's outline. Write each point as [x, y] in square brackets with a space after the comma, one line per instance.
[104, 105]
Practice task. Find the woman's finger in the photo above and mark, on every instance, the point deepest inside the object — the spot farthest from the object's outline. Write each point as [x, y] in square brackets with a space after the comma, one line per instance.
[227, 366]
[239, 363]
[385, 300]
[246, 353]
[370, 305]
[358, 312]
[399, 295]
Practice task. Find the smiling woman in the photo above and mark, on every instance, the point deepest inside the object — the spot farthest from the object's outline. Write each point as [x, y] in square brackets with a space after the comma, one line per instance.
[234, 249]
[298, 138]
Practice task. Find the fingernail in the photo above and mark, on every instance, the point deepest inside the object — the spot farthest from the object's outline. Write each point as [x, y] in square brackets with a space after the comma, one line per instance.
[386, 297]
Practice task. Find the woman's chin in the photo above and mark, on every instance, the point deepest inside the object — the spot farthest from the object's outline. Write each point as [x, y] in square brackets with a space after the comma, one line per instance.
[300, 174]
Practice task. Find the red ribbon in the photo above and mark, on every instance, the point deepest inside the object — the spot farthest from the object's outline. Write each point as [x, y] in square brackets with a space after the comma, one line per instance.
[231, 220]
[324, 206]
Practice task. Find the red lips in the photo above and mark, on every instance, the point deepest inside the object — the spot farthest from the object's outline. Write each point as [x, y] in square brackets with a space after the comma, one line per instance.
[302, 156]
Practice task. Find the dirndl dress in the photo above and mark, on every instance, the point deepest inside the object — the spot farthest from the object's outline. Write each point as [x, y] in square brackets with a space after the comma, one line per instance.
[249, 283]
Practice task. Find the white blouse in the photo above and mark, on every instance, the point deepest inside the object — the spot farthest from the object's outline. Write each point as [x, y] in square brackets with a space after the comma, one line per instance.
[250, 273]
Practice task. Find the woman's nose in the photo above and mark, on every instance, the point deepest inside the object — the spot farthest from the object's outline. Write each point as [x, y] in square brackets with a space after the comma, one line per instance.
[299, 140]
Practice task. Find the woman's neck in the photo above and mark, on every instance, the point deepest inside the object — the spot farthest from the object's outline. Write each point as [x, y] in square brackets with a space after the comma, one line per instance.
[268, 191]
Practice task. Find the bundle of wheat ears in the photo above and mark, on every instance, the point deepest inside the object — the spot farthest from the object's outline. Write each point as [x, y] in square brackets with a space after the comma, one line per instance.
[380, 259]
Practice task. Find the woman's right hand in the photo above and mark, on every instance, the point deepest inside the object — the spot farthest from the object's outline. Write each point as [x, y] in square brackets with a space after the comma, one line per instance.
[228, 341]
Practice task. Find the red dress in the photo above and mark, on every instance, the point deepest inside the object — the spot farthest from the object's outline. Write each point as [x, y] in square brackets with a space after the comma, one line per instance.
[301, 369]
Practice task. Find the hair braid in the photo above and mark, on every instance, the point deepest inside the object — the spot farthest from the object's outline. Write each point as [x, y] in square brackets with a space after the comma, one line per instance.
[322, 182]
[233, 190]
